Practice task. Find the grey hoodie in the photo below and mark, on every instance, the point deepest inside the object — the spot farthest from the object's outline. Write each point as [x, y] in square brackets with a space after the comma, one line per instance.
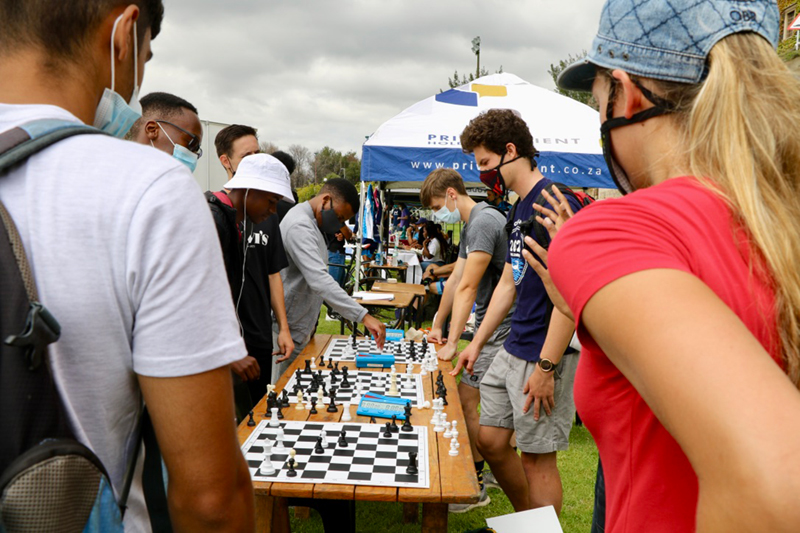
[306, 281]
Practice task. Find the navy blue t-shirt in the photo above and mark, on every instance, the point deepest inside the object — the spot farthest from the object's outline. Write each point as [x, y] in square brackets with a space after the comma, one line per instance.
[529, 322]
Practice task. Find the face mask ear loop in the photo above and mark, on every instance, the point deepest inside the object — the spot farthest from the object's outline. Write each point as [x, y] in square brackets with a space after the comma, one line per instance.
[244, 261]
[135, 57]
[113, 32]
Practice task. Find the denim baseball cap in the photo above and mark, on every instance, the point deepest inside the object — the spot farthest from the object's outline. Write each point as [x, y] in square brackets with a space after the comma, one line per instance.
[667, 39]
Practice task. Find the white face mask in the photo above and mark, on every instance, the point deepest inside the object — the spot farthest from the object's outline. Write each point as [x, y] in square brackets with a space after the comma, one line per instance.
[445, 216]
[181, 153]
[114, 115]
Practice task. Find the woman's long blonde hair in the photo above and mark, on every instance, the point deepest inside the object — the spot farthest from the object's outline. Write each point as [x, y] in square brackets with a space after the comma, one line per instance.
[741, 131]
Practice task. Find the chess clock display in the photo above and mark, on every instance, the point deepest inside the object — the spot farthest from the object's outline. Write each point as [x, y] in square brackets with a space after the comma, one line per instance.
[381, 406]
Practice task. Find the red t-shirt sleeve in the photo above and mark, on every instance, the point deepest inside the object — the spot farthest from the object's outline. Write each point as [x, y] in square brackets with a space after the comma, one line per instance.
[613, 238]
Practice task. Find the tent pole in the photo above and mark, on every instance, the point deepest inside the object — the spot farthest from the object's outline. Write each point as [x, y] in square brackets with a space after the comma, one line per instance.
[359, 237]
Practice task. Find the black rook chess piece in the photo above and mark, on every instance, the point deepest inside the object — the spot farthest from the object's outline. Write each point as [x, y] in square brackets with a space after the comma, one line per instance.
[313, 410]
[411, 469]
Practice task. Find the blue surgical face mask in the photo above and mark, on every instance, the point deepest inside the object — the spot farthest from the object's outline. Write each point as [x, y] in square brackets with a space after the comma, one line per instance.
[114, 115]
[445, 216]
[181, 153]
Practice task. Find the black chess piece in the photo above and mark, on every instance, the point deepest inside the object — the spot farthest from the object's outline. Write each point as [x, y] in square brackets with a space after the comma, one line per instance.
[407, 423]
[394, 427]
[330, 363]
[313, 410]
[334, 391]
[336, 368]
[280, 411]
[413, 349]
[318, 446]
[272, 399]
[354, 342]
[411, 469]
[387, 431]
[307, 369]
[284, 398]
[424, 346]
[443, 396]
[372, 420]
[250, 421]
[332, 408]
[333, 378]
[292, 472]
[342, 439]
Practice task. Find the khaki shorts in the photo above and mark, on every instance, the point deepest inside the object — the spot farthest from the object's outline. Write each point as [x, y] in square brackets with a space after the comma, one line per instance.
[502, 401]
[485, 359]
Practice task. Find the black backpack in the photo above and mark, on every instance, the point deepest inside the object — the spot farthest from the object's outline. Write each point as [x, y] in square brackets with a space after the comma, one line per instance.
[48, 480]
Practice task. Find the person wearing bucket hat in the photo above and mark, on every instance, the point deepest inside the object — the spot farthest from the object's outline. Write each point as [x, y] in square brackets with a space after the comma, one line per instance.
[249, 198]
[685, 290]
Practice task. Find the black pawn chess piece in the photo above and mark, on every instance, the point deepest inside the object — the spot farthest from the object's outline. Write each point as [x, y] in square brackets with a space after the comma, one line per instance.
[387, 430]
[284, 399]
[342, 439]
[318, 446]
[332, 408]
[336, 368]
[394, 427]
[307, 369]
[250, 421]
[330, 363]
[411, 469]
[313, 410]
[407, 423]
[322, 360]
[292, 472]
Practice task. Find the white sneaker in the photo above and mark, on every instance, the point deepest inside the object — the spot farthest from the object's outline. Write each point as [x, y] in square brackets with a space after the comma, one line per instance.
[464, 507]
[489, 481]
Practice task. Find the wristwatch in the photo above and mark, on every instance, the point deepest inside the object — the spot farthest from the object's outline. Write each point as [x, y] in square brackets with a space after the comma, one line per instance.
[546, 365]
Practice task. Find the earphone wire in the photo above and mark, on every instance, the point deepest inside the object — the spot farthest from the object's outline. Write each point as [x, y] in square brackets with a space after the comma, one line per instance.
[244, 262]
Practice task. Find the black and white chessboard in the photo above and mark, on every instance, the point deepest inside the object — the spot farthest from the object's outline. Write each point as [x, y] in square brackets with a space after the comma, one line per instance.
[409, 386]
[369, 459]
[338, 350]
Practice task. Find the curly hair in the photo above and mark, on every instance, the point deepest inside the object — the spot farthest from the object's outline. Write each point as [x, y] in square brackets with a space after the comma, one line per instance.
[495, 128]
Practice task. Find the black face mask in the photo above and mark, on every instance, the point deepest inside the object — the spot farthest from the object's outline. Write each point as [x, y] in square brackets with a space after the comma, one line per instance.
[330, 221]
[661, 107]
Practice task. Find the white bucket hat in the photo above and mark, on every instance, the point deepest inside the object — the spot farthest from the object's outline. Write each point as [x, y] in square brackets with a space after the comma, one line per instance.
[264, 173]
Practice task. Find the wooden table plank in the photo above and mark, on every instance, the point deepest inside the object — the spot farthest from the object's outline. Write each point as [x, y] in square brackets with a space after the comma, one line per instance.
[412, 288]
[401, 300]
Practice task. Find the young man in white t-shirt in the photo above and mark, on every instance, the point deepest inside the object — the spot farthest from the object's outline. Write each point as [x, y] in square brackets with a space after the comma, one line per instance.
[145, 312]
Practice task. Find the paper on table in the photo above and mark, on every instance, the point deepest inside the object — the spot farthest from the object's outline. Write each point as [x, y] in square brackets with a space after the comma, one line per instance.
[373, 296]
[541, 520]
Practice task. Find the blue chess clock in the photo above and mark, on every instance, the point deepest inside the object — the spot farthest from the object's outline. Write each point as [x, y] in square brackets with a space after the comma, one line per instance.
[374, 360]
[380, 406]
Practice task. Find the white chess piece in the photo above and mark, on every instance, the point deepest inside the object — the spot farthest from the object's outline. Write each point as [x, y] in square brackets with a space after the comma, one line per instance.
[299, 405]
[273, 421]
[426, 405]
[313, 362]
[308, 402]
[266, 468]
[293, 455]
[393, 386]
[453, 447]
[357, 394]
[453, 428]
[279, 447]
[394, 369]
[455, 437]
[409, 368]
[439, 424]
[346, 413]
[324, 438]
[447, 433]
[319, 395]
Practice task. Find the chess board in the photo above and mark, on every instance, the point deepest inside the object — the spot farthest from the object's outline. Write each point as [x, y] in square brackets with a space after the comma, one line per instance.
[338, 350]
[369, 459]
[408, 385]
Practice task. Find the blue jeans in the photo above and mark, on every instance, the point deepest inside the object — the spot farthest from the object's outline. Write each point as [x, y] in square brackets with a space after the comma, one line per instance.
[426, 264]
[336, 272]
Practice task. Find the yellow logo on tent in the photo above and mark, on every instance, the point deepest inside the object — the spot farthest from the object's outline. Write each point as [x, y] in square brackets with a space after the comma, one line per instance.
[489, 90]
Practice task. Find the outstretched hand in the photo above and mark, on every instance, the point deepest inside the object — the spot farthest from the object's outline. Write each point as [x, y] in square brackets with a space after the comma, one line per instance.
[541, 269]
[553, 219]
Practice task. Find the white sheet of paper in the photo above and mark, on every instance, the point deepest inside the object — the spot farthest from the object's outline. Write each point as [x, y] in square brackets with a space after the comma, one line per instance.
[542, 520]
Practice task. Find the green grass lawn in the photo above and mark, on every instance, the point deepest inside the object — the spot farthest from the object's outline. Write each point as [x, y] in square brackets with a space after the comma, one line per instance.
[578, 466]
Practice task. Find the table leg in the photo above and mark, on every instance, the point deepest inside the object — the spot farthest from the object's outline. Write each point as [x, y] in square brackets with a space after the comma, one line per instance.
[272, 514]
[434, 518]
[410, 513]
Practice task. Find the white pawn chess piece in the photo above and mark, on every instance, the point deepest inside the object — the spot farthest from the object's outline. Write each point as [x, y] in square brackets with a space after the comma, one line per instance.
[453, 447]
[279, 447]
[455, 436]
[447, 433]
[313, 362]
[409, 368]
[453, 428]
[319, 395]
[357, 394]
[308, 402]
[299, 405]
[324, 438]
[346, 413]
[273, 421]
[439, 424]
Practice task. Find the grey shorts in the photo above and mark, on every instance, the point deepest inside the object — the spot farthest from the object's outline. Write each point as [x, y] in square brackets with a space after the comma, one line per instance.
[502, 401]
[485, 359]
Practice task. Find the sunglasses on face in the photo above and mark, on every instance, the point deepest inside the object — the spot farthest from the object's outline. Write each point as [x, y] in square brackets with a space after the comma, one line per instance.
[194, 143]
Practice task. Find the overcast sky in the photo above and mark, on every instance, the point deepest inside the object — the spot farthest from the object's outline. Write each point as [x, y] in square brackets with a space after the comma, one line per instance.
[323, 72]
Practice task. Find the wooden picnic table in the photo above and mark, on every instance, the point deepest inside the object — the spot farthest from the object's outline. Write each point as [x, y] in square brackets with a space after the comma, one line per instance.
[418, 290]
[402, 301]
[452, 478]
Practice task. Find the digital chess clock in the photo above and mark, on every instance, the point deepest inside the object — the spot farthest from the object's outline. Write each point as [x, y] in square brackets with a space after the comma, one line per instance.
[380, 406]
[374, 360]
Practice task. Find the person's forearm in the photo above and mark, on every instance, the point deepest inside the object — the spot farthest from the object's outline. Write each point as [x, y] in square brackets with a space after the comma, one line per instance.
[346, 233]
[446, 305]
[276, 298]
[502, 300]
[559, 333]
[462, 305]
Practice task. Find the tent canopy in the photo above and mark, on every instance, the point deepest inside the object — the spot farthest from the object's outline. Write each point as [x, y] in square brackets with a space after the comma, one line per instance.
[426, 136]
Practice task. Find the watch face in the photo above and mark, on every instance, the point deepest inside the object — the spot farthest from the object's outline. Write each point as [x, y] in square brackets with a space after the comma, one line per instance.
[546, 365]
